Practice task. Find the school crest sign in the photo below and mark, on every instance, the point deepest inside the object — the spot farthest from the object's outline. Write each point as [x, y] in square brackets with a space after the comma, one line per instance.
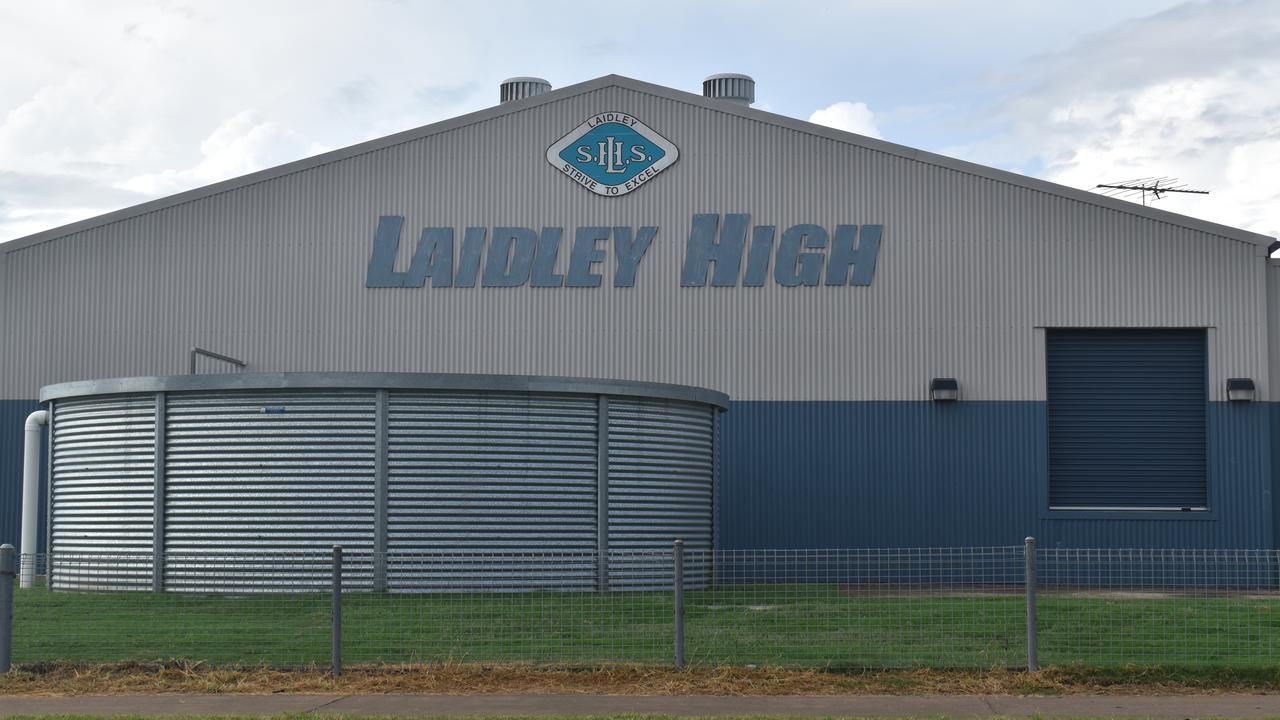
[612, 153]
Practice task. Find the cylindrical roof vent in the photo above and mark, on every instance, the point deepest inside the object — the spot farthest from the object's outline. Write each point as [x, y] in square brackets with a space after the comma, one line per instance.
[519, 88]
[733, 87]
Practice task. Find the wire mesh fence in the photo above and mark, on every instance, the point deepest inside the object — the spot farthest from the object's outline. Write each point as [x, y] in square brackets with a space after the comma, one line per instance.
[514, 607]
[859, 608]
[870, 608]
[1169, 607]
[101, 607]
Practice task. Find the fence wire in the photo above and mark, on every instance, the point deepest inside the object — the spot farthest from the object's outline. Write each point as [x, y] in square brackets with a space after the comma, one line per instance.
[100, 607]
[871, 608]
[1189, 607]
[513, 607]
[860, 608]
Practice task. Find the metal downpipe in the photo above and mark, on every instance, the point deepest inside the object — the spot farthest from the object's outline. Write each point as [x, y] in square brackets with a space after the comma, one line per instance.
[31, 495]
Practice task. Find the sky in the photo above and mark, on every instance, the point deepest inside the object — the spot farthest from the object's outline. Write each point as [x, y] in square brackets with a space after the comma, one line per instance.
[105, 105]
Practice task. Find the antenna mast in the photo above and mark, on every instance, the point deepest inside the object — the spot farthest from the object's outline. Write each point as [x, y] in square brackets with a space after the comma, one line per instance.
[1156, 186]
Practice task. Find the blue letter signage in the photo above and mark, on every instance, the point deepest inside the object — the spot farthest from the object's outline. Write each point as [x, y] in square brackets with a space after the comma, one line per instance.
[804, 255]
[612, 153]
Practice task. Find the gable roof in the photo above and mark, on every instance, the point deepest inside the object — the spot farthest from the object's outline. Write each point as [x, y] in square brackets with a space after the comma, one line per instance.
[659, 91]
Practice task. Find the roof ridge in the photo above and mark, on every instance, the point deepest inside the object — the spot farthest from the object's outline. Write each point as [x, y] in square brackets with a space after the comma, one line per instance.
[951, 163]
[690, 98]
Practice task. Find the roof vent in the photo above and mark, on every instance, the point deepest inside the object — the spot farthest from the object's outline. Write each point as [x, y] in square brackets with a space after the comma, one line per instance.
[735, 88]
[519, 88]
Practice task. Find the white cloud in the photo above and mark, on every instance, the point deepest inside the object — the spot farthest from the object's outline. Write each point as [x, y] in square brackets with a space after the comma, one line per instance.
[1218, 133]
[240, 145]
[158, 96]
[1192, 93]
[30, 202]
[136, 99]
[848, 116]
[79, 119]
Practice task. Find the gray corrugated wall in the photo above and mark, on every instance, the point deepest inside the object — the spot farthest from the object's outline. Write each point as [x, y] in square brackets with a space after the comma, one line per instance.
[486, 489]
[477, 477]
[661, 470]
[251, 478]
[103, 485]
[660, 474]
[969, 266]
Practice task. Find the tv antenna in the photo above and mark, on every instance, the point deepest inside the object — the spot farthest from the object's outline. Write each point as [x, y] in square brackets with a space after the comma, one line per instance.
[1156, 187]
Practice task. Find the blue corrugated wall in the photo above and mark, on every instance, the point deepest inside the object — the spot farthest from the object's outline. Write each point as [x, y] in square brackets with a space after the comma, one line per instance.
[1275, 472]
[13, 416]
[907, 474]
[923, 474]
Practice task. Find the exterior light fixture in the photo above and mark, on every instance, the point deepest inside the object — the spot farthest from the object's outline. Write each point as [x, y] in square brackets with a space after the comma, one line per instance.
[1240, 389]
[944, 390]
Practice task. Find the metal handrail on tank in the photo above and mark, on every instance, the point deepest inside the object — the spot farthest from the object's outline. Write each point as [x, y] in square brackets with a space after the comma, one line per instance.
[198, 351]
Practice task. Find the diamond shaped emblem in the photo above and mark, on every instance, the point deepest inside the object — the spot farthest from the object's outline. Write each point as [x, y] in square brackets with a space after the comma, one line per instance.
[612, 153]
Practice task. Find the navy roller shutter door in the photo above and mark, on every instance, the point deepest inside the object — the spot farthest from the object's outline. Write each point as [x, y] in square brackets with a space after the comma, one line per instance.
[1127, 419]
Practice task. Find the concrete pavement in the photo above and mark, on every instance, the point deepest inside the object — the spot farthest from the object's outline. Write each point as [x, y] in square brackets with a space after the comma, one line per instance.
[1180, 706]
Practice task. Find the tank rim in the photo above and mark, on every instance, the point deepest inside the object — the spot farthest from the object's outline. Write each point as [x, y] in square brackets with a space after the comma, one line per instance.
[381, 381]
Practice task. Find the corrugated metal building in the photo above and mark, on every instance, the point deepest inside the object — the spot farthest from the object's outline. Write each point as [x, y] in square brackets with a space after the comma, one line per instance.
[823, 280]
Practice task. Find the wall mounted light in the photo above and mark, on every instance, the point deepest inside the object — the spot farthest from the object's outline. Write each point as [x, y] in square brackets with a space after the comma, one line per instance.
[944, 390]
[1240, 389]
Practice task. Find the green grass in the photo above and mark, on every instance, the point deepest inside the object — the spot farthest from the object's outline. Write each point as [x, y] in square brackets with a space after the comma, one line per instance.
[1206, 632]
[796, 625]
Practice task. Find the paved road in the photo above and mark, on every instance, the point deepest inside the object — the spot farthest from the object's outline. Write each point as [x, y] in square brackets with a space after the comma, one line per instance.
[460, 705]
[1242, 706]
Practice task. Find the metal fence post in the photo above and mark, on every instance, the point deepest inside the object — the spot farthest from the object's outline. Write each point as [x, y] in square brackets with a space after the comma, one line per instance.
[1029, 556]
[8, 569]
[677, 557]
[335, 629]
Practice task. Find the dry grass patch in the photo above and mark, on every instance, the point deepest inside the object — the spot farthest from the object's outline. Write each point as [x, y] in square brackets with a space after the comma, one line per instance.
[471, 678]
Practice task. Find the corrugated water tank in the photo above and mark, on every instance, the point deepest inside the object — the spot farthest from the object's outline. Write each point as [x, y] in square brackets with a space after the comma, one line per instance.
[429, 482]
